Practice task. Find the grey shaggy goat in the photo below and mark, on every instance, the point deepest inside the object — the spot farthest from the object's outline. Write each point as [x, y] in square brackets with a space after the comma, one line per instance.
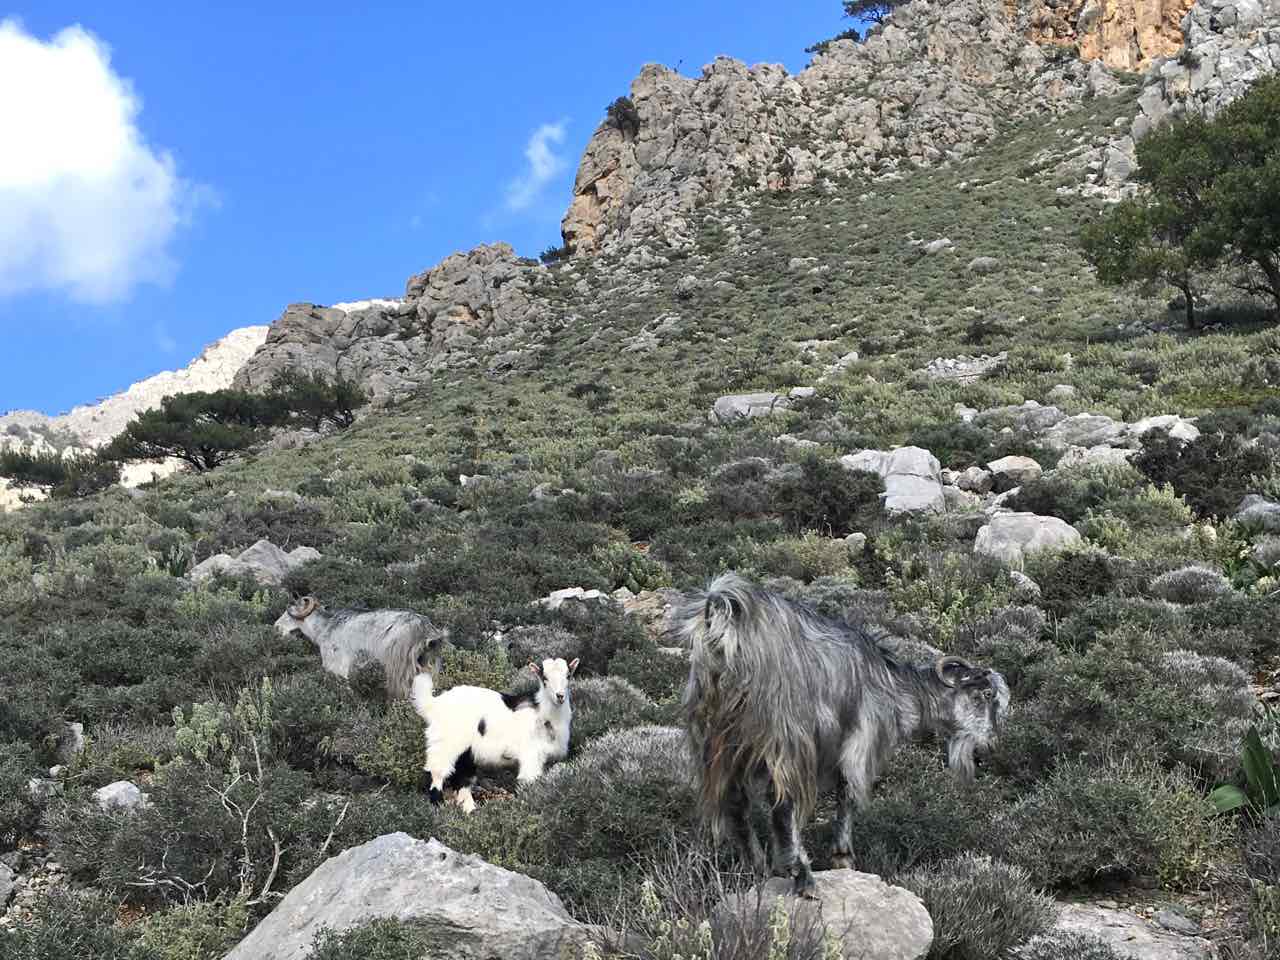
[783, 700]
[404, 642]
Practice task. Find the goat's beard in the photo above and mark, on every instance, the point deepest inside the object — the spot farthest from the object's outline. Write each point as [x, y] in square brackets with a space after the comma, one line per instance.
[960, 756]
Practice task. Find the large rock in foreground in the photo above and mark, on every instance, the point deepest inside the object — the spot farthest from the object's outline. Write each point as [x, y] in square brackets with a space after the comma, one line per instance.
[867, 916]
[1012, 537]
[475, 910]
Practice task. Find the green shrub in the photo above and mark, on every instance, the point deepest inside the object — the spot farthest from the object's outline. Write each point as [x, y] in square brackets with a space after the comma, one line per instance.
[622, 795]
[384, 938]
[1194, 584]
[823, 496]
[19, 811]
[804, 558]
[921, 814]
[1172, 707]
[538, 642]
[391, 747]
[602, 704]
[1262, 849]
[625, 566]
[1125, 819]
[980, 907]
[185, 842]
[116, 751]
[1061, 945]
[1213, 472]
[66, 924]
[368, 678]
[1068, 580]
[198, 930]
[660, 676]
[1070, 493]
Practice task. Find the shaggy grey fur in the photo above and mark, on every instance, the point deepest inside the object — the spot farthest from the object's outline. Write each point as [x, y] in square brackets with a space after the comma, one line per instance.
[404, 642]
[784, 699]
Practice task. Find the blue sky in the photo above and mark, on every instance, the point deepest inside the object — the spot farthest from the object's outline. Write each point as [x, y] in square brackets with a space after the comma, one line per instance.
[187, 168]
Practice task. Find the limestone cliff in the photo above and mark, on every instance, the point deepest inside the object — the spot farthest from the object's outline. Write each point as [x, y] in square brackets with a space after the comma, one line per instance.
[1123, 34]
[390, 345]
[931, 85]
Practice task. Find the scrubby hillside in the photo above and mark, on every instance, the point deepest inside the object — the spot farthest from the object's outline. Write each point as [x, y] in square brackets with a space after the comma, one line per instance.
[542, 427]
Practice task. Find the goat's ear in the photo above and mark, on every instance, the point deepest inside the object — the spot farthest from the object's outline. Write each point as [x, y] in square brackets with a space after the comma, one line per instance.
[535, 669]
[573, 666]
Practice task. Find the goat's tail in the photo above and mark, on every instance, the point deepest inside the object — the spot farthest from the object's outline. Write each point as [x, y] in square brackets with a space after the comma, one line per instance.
[422, 695]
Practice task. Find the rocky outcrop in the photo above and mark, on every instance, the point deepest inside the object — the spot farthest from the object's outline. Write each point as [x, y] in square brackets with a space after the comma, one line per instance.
[263, 561]
[1131, 936]
[1012, 537]
[912, 478]
[390, 346]
[864, 915]
[478, 911]
[930, 85]
[1228, 44]
[1123, 34]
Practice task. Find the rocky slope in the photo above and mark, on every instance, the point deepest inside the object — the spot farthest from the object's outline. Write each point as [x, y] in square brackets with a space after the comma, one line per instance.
[1123, 34]
[931, 85]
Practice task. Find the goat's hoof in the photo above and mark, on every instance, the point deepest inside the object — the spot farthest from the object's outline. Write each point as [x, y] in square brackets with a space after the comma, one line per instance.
[804, 884]
[842, 861]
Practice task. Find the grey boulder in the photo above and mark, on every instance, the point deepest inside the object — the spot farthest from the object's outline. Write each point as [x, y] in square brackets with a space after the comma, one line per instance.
[1130, 935]
[1259, 513]
[121, 795]
[912, 477]
[1010, 472]
[8, 882]
[1179, 428]
[1012, 537]
[476, 911]
[1083, 430]
[744, 406]
[263, 561]
[865, 915]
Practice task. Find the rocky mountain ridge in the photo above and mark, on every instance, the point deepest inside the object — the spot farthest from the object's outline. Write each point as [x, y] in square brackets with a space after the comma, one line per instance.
[932, 85]
[92, 425]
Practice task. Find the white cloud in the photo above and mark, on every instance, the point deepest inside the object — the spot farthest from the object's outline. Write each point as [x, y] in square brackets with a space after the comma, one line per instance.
[87, 207]
[544, 165]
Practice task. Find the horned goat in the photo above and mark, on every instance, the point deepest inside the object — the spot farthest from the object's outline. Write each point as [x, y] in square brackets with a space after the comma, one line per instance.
[404, 642]
[785, 702]
[472, 727]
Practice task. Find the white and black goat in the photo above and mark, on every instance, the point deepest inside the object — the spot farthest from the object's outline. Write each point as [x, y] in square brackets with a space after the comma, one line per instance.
[783, 702]
[473, 727]
[404, 642]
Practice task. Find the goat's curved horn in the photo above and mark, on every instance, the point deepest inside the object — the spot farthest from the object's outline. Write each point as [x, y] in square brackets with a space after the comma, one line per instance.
[940, 668]
[307, 606]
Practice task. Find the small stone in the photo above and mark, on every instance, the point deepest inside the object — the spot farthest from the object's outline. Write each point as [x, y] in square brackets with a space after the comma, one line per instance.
[984, 265]
[856, 544]
[1172, 920]
[121, 794]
